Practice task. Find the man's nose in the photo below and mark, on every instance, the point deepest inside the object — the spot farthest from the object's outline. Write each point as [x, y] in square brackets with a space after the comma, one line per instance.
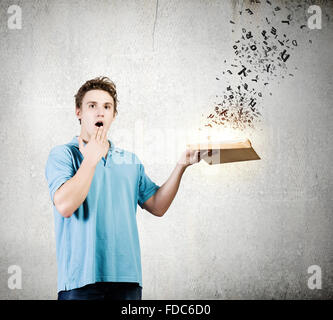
[100, 111]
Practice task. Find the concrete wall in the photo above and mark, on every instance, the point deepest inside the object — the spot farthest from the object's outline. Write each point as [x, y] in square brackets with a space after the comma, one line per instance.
[241, 230]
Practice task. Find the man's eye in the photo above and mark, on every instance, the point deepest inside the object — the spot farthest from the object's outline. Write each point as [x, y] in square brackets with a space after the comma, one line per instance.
[91, 105]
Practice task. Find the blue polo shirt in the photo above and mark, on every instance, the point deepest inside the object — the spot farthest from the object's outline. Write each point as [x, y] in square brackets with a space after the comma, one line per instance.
[100, 241]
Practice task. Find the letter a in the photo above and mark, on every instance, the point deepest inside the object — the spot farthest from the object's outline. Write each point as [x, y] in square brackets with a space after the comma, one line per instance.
[15, 280]
[314, 282]
[15, 20]
[314, 22]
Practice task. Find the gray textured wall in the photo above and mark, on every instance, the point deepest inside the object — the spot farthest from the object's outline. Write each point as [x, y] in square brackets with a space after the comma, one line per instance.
[240, 230]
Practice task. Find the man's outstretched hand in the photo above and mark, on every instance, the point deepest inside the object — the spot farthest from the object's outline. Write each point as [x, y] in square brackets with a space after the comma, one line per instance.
[190, 157]
[159, 203]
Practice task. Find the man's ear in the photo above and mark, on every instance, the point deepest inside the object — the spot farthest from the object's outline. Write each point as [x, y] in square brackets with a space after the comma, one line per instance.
[78, 113]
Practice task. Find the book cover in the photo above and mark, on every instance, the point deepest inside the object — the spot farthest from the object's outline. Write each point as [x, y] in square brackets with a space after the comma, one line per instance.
[226, 151]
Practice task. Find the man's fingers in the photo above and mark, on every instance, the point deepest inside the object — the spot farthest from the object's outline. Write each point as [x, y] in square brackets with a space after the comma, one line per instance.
[99, 133]
[196, 156]
[205, 154]
[95, 133]
[104, 137]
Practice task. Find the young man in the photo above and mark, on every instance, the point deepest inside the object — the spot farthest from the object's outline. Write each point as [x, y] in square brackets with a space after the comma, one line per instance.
[95, 196]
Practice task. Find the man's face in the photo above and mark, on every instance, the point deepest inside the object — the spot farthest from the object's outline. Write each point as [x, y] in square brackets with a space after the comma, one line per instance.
[97, 107]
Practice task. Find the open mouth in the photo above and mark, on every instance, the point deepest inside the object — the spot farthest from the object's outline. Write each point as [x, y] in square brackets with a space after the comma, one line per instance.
[99, 124]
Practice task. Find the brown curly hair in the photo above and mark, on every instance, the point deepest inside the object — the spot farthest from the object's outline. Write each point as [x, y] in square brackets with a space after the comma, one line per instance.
[99, 83]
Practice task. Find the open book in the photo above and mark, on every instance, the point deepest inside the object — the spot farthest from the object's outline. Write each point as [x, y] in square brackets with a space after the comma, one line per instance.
[225, 151]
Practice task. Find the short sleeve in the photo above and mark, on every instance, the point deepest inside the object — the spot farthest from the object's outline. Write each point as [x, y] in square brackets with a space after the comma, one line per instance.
[59, 168]
[147, 188]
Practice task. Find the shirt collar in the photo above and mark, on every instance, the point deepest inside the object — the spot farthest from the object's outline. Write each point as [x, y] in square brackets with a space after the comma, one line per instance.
[75, 142]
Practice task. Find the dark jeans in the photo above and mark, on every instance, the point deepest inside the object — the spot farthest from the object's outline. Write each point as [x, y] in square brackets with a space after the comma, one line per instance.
[104, 291]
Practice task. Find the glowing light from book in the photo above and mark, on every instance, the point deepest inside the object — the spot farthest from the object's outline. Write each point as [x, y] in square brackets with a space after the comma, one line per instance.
[213, 134]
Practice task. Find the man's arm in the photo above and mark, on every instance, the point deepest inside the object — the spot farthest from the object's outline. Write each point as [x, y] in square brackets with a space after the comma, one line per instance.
[74, 191]
[160, 202]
